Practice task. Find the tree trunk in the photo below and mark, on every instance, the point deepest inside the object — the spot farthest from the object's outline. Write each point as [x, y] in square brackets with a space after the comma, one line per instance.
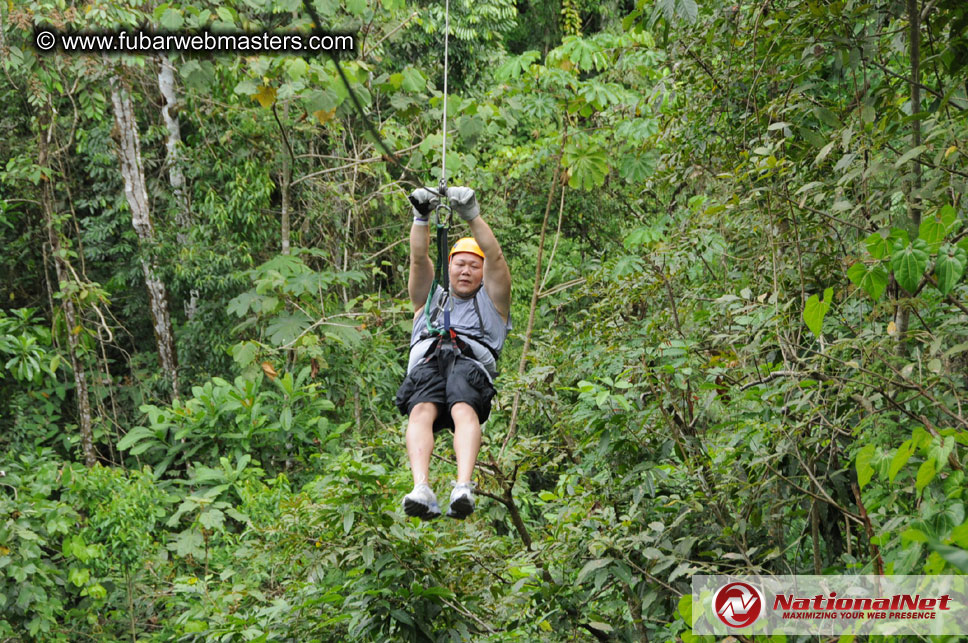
[914, 194]
[285, 181]
[183, 218]
[70, 312]
[129, 151]
[286, 175]
[914, 200]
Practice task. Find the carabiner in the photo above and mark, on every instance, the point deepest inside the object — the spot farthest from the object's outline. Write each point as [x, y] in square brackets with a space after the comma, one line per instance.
[447, 215]
[442, 204]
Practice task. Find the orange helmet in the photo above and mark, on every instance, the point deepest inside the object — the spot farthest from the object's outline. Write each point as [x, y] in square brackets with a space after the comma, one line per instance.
[466, 244]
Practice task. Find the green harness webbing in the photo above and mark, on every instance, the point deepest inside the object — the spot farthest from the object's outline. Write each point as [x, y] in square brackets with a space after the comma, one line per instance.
[441, 272]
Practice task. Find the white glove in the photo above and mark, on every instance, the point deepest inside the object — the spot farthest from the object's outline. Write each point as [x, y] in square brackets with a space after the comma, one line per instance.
[422, 200]
[463, 201]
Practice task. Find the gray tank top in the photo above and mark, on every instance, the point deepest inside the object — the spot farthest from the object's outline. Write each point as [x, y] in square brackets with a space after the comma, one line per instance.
[466, 323]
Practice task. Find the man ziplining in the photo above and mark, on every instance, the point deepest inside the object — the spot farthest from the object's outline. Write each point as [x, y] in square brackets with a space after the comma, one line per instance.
[457, 338]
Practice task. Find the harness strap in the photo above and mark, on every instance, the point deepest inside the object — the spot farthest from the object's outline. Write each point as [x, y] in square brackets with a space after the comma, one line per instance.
[477, 309]
[443, 305]
[441, 274]
[450, 341]
[481, 340]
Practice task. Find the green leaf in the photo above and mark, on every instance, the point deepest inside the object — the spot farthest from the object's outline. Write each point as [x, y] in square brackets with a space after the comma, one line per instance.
[297, 68]
[815, 310]
[587, 165]
[932, 230]
[326, 8]
[348, 518]
[79, 576]
[910, 154]
[872, 280]
[949, 218]
[322, 100]
[470, 126]
[954, 555]
[515, 66]
[864, 469]
[685, 608]
[247, 87]
[240, 305]
[194, 627]
[97, 592]
[134, 436]
[600, 95]
[190, 543]
[950, 267]
[940, 449]
[921, 439]
[591, 566]
[897, 239]
[285, 328]
[827, 117]
[198, 74]
[926, 473]
[901, 456]
[909, 263]
[636, 130]
[636, 169]
[212, 519]
[877, 245]
[402, 617]
[172, 19]
[824, 151]
[959, 535]
[244, 353]
[355, 7]
[643, 236]
[141, 447]
[584, 54]
[226, 15]
[413, 80]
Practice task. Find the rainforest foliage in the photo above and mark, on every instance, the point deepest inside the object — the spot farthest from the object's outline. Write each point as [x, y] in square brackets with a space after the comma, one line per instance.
[737, 234]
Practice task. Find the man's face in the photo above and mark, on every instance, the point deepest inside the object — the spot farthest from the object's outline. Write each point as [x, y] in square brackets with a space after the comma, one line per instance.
[466, 273]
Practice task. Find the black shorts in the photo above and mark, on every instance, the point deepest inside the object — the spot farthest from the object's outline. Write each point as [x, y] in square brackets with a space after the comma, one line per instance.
[466, 383]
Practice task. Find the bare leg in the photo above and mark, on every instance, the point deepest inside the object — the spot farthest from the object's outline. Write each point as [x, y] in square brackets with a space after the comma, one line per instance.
[420, 440]
[467, 439]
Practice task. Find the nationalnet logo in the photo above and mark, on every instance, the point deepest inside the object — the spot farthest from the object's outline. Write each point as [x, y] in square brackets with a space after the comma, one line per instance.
[900, 606]
[738, 604]
[830, 605]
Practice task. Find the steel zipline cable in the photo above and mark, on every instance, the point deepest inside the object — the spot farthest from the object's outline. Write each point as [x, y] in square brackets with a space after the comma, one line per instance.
[442, 212]
[406, 174]
[443, 127]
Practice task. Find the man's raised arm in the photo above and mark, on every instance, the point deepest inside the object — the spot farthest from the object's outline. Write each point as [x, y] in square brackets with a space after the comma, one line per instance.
[497, 275]
[421, 267]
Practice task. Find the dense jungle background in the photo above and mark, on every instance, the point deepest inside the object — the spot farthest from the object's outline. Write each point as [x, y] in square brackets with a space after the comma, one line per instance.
[736, 233]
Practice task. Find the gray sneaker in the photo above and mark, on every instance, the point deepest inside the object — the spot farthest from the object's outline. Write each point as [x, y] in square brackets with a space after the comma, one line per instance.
[461, 500]
[421, 503]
